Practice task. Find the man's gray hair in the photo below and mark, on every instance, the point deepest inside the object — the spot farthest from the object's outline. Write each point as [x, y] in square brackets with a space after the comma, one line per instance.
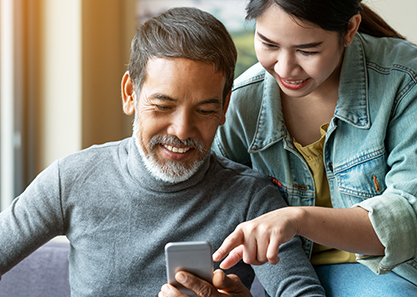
[183, 32]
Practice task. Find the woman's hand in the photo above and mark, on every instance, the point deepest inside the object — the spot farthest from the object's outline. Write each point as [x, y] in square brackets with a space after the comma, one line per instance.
[257, 241]
[223, 285]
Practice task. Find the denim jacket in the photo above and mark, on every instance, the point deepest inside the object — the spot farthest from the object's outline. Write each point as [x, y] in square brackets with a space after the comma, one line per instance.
[370, 152]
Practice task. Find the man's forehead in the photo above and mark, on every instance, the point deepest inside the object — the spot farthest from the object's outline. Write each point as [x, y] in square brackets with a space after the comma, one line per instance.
[179, 63]
[181, 72]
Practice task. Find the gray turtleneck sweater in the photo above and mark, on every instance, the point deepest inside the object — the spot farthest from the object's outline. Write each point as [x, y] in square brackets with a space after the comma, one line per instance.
[118, 219]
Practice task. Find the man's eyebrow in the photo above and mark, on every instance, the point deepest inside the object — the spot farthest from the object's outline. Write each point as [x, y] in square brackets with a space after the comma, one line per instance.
[159, 96]
[211, 101]
[305, 45]
[162, 97]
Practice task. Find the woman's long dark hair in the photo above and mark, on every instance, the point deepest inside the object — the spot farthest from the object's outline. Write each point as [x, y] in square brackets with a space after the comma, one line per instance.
[330, 15]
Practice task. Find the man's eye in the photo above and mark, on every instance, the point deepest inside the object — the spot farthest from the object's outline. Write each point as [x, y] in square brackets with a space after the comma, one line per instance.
[161, 107]
[206, 111]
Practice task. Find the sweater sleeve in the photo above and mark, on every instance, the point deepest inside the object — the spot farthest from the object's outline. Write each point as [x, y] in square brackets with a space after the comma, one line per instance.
[293, 275]
[31, 220]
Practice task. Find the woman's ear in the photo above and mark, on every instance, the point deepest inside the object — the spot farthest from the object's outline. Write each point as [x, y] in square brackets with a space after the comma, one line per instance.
[353, 27]
[128, 94]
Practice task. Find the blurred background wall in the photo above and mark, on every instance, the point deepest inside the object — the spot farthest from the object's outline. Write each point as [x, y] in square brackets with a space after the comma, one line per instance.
[61, 66]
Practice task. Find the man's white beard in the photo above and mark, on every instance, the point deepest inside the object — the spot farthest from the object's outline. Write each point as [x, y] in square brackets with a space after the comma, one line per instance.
[171, 171]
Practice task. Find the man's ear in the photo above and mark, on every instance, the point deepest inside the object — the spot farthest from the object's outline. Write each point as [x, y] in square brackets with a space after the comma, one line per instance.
[225, 106]
[128, 94]
[353, 27]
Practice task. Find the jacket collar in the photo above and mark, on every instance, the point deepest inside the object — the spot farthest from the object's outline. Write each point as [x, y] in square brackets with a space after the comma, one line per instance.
[352, 104]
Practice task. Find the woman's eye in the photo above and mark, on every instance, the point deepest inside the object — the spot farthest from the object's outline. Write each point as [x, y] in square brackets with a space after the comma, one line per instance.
[269, 45]
[306, 53]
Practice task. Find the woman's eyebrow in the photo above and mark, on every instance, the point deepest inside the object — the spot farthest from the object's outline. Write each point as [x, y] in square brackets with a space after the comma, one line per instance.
[308, 45]
[304, 45]
[265, 38]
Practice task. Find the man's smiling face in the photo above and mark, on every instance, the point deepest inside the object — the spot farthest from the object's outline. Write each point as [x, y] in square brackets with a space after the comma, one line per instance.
[179, 108]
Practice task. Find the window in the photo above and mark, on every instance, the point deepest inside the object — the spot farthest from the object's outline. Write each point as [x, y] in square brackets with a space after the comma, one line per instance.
[6, 103]
[231, 13]
[17, 106]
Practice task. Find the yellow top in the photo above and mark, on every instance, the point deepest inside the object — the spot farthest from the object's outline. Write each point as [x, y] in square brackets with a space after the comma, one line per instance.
[313, 154]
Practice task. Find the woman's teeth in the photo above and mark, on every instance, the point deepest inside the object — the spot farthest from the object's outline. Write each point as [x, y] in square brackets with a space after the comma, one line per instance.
[294, 82]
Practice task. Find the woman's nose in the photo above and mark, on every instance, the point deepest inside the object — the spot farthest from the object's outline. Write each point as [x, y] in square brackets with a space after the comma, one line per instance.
[285, 65]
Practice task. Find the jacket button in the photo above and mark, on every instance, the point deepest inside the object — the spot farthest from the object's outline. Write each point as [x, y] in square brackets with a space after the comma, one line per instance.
[331, 166]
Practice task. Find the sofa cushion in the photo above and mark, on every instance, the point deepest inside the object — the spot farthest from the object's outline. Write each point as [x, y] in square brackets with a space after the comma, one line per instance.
[43, 273]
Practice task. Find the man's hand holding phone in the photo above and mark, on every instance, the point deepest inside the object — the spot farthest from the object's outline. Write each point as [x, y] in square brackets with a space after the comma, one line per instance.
[223, 285]
[190, 273]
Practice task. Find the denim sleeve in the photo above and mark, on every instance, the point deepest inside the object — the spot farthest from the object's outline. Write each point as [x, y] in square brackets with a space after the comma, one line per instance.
[394, 213]
[394, 221]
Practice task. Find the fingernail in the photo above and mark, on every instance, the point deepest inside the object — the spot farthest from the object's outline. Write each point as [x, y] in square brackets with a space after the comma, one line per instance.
[166, 289]
[217, 271]
[215, 256]
[181, 277]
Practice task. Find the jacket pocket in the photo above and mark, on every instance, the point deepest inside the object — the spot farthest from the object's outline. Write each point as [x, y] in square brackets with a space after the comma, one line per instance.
[363, 177]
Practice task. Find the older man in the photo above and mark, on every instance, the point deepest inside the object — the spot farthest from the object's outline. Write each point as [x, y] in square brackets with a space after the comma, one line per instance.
[121, 202]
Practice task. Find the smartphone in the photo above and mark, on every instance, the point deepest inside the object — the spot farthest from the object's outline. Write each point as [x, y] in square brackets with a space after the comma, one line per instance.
[191, 256]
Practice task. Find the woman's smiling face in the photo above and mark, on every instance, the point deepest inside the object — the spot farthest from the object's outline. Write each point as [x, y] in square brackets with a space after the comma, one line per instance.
[302, 57]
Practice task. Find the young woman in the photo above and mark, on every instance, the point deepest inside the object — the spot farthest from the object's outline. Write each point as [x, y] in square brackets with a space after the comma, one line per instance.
[329, 114]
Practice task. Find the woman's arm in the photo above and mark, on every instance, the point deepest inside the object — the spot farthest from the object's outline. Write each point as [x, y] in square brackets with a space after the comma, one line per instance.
[257, 241]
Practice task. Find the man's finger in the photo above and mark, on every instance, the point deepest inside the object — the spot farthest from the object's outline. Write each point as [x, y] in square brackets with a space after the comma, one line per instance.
[232, 241]
[168, 290]
[199, 286]
[229, 283]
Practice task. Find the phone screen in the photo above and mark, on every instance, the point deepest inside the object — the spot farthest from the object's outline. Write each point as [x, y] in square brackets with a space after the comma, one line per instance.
[194, 257]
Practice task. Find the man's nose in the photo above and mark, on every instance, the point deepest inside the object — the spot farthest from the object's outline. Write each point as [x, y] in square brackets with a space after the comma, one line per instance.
[182, 125]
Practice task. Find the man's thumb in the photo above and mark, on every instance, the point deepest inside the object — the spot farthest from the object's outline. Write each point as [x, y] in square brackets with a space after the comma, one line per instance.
[229, 283]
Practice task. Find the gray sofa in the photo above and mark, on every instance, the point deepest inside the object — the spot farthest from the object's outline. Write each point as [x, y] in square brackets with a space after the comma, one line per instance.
[45, 274]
